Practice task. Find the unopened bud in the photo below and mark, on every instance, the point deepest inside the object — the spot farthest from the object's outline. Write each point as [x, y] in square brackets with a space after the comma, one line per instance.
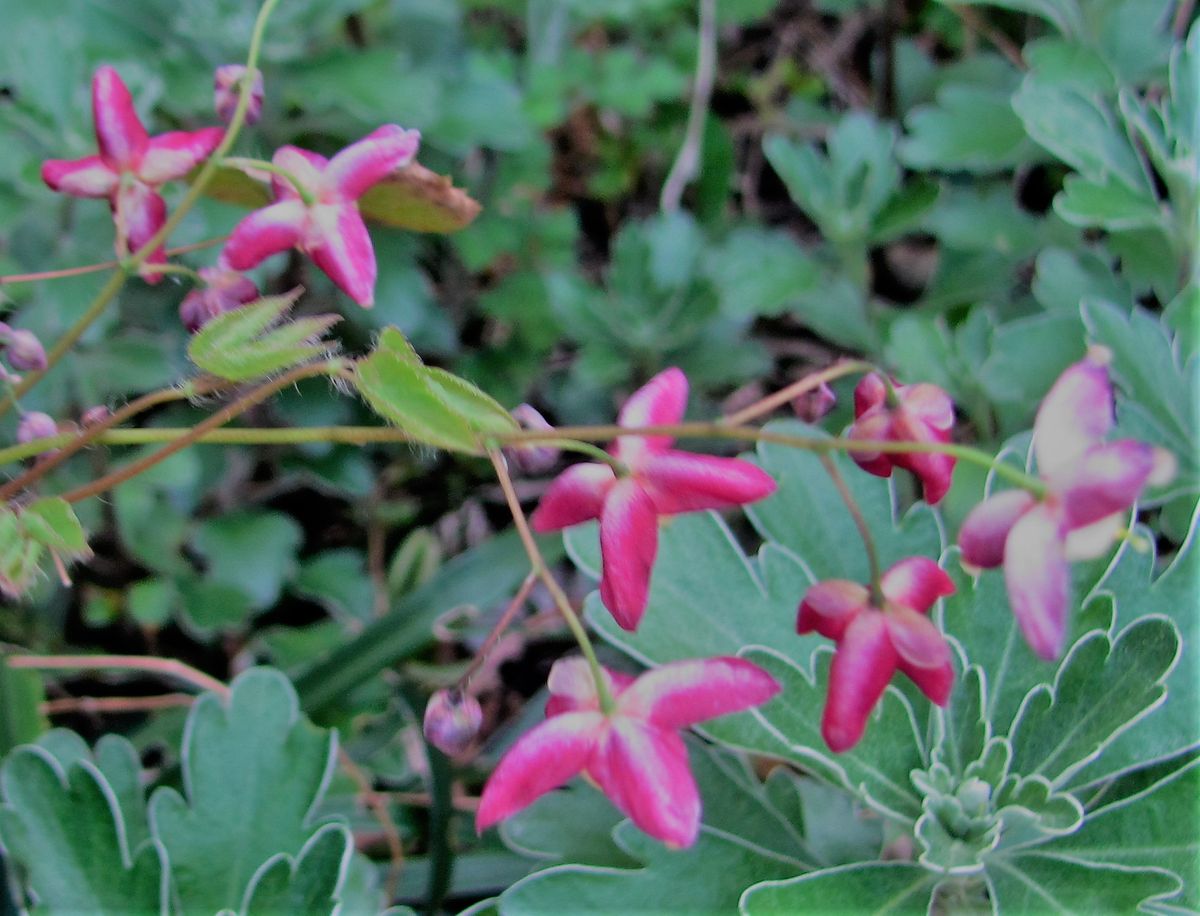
[812, 405]
[227, 88]
[532, 459]
[25, 351]
[94, 415]
[36, 425]
[225, 290]
[452, 721]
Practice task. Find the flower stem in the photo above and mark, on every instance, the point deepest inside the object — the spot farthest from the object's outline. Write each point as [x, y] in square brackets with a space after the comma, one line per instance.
[502, 624]
[102, 265]
[794, 390]
[166, 667]
[864, 530]
[539, 566]
[240, 162]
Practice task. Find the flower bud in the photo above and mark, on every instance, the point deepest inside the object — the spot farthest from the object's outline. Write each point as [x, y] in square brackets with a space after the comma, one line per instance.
[531, 459]
[25, 351]
[226, 89]
[225, 290]
[452, 721]
[93, 415]
[36, 425]
[814, 404]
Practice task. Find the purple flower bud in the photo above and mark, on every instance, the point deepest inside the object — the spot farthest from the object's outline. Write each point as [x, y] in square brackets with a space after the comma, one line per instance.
[226, 290]
[226, 90]
[25, 351]
[814, 404]
[94, 415]
[36, 425]
[452, 721]
[531, 459]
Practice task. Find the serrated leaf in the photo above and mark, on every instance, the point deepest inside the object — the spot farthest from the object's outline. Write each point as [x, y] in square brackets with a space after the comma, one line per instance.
[481, 411]
[1101, 689]
[1110, 205]
[66, 829]
[238, 346]
[52, 523]
[254, 770]
[874, 887]
[307, 883]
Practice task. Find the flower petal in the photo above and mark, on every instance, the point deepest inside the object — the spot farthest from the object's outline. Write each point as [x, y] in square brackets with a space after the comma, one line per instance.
[572, 688]
[661, 401]
[870, 392]
[916, 583]
[862, 666]
[646, 774]
[873, 426]
[930, 405]
[265, 232]
[140, 213]
[1075, 415]
[119, 130]
[916, 639]
[934, 469]
[679, 694]
[543, 759]
[684, 482]
[1038, 580]
[305, 166]
[1106, 479]
[936, 683]
[985, 529]
[829, 606]
[576, 495]
[340, 245]
[365, 163]
[1094, 540]
[173, 155]
[87, 177]
[628, 544]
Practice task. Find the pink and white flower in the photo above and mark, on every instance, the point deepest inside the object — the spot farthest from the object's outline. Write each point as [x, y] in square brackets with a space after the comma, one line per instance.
[924, 413]
[131, 165]
[224, 290]
[656, 481]
[875, 642]
[1089, 486]
[633, 753]
[327, 225]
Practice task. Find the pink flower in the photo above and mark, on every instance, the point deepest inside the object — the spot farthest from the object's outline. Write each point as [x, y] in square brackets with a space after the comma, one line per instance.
[873, 643]
[329, 229]
[1090, 485]
[452, 720]
[225, 289]
[634, 754]
[924, 413]
[814, 404]
[226, 90]
[36, 425]
[658, 481]
[532, 459]
[131, 165]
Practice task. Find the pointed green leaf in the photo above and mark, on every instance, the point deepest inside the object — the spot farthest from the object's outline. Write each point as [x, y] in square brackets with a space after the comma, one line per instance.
[481, 411]
[870, 887]
[52, 522]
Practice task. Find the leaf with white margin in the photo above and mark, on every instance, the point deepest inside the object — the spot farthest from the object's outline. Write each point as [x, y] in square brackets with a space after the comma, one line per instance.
[870, 887]
[808, 517]
[961, 730]
[307, 883]
[1036, 882]
[1158, 827]
[254, 770]
[1103, 687]
[65, 827]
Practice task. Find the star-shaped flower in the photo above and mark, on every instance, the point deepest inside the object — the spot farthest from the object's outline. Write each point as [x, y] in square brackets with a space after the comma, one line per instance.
[657, 480]
[634, 754]
[875, 642]
[130, 166]
[326, 225]
[1090, 485]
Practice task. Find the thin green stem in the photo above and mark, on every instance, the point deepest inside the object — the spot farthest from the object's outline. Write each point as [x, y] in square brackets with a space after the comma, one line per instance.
[241, 162]
[860, 522]
[181, 270]
[586, 448]
[539, 566]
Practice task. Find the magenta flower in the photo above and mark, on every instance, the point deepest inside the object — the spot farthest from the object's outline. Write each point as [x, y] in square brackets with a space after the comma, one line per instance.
[224, 289]
[327, 225]
[924, 413]
[1090, 485]
[873, 643]
[227, 90]
[634, 754]
[131, 166]
[657, 481]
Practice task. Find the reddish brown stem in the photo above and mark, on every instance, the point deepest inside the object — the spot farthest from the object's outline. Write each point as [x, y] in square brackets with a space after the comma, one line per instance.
[103, 265]
[164, 667]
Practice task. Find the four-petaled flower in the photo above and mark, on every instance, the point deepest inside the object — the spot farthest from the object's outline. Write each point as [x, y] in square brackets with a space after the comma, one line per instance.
[873, 643]
[924, 413]
[634, 754]
[658, 481]
[130, 166]
[325, 223]
[1090, 485]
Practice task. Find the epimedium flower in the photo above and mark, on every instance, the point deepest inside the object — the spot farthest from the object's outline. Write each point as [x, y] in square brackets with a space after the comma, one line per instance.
[130, 166]
[1089, 486]
[321, 217]
[656, 480]
[875, 642]
[224, 289]
[904, 413]
[634, 753]
[227, 89]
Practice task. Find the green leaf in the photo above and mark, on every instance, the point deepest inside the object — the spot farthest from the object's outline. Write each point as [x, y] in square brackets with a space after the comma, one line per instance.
[338, 580]
[971, 128]
[254, 770]
[1108, 205]
[574, 825]
[758, 271]
[306, 883]
[21, 696]
[1034, 882]
[238, 346]
[1102, 688]
[66, 829]
[254, 552]
[480, 410]
[869, 887]
[52, 523]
